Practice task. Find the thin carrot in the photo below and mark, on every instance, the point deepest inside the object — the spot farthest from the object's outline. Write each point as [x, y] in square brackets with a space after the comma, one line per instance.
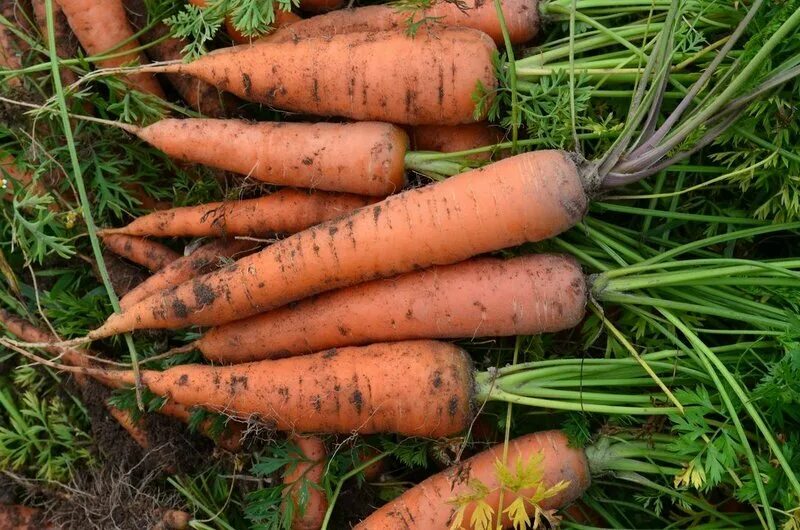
[521, 17]
[454, 138]
[144, 252]
[336, 391]
[209, 257]
[284, 212]
[201, 96]
[433, 503]
[102, 27]
[365, 158]
[307, 475]
[528, 197]
[385, 76]
[483, 297]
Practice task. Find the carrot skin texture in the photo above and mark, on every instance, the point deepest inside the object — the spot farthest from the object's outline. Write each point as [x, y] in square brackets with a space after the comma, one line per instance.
[335, 391]
[313, 449]
[204, 259]
[284, 212]
[522, 20]
[454, 138]
[426, 506]
[100, 26]
[384, 76]
[525, 198]
[482, 297]
[365, 158]
[201, 96]
[150, 254]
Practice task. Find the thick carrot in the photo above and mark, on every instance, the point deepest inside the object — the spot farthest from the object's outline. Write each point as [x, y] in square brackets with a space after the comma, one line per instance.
[385, 76]
[102, 27]
[483, 297]
[307, 474]
[528, 197]
[454, 138]
[150, 254]
[284, 212]
[521, 16]
[201, 96]
[430, 504]
[365, 158]
[66, 45]
[336, 391]
[19, 517]
[207, 258]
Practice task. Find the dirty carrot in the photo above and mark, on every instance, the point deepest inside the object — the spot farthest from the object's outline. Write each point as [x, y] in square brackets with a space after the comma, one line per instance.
[542, 193]
[454, 138]
[527, 295]
[521, 18]
[433, 503]
[201, 96]
[145, 252]
[385, 76]
[209, 257]
[366, 158]
[284, 212]
[102, 27]
[307, 475]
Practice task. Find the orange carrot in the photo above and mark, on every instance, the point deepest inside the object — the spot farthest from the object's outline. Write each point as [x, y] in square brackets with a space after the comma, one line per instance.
[102, 27]
[66, 45]
[336, 391]
[385, 76]
[282, 18]
[18, 517]
[230, 439]
[207, 258]
[521, 16]
[365, 158]
[528, 197]
[483, 297]
[432, 503]
[454, 138]
[284, 212]
[307, 475]
[201, 96]
[150, 254]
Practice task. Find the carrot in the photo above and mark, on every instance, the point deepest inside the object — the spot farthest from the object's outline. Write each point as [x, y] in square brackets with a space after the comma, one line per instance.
[528, 197]
[282, 18]
[336, 391]
[385, 76]
[144, 252]
[320, 6]
[521, 17]
[102, 27]
[230, 439]
[66, 45]
[433, 502]
[284, 212]
[201, 96]
[454, 138]
[205, 259]
[483, 297]
[365, 158]
[307, 475]
[18, 517]
[174, 520]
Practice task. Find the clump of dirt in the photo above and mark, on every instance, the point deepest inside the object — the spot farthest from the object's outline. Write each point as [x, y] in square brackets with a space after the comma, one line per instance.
[124, 276]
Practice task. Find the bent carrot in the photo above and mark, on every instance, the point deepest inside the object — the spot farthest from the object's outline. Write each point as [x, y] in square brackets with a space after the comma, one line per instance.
[102, 27]
[521, 18]
[454, 138]
[432, 503]
[203, 260]
[150, 254]
[483, 297]
[385, 76]
[284, 212]
[366, 158]
[525, 198]
[336, 391]
[201, 96]
[307, 475]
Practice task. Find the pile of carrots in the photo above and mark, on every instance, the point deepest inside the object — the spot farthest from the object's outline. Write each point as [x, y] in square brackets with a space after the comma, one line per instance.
[336, 324]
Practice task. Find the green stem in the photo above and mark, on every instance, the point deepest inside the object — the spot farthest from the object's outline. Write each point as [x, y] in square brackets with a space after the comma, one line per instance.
[352, 473]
